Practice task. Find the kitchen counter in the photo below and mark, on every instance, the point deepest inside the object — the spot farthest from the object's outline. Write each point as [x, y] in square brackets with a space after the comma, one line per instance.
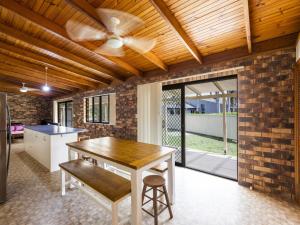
[54, 130]
[47, 144]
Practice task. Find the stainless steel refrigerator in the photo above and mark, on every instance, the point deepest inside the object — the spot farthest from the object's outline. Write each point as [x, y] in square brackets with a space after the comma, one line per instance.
[5, 145]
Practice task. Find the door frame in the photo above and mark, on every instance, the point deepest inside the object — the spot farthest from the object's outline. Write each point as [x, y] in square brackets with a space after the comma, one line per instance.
[183, 130]
[58, 111]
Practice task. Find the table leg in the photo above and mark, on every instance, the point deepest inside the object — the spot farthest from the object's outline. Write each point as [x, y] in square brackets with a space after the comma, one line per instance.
[71, 155]
[136, 197]
[63, 182]
[171, 178]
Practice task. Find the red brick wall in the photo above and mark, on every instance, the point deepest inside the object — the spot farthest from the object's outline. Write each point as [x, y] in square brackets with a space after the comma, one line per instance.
[28, 109]
[266, 123]
[265, 115]
[297, 131]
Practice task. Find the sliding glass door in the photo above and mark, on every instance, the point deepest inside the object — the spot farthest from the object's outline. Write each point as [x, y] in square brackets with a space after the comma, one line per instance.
[173, 121]
[199, 120]
[65, 112]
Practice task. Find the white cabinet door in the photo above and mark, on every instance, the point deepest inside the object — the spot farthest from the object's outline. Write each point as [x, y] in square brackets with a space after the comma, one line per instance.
[59, 149]
[37, 146]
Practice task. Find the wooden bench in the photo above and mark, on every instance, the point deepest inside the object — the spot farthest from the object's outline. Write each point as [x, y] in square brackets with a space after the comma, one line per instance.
[112, 187]
[87, 158]
[160, 169]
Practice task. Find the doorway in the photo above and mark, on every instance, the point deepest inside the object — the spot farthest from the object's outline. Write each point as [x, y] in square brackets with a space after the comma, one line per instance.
[65, 113]
[173, 121]
[200, 121]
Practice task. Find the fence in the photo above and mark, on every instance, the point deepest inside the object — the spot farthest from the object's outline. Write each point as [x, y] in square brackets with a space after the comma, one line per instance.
[206, 124]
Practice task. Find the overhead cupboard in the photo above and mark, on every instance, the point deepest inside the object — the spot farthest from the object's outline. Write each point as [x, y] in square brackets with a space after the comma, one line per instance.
[100, 109]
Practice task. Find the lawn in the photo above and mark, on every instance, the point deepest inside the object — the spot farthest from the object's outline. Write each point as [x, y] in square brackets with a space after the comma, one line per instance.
[202, 143]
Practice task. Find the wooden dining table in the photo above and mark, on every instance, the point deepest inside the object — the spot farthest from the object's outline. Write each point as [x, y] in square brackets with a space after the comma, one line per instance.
[130, 156]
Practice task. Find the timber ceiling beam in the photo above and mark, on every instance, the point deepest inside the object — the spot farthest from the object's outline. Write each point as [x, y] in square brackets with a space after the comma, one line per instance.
[39, 75]
[34, 85]
[155, 60]
[88, 10]
[52, 27]
[6, 89]
[12, 76]
[12, 87]
[64, 78]
[51, 80]
[50, 62]
[275, 43]
[42, 45]
[247, 24]
[82, 83]
[169, 17]
[24, 75]
[286, 41]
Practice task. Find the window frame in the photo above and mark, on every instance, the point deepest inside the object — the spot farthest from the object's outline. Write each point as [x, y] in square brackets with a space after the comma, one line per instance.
[86, 103]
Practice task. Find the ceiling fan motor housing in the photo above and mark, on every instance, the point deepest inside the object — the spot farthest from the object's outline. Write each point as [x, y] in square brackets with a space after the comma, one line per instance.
[115, 42]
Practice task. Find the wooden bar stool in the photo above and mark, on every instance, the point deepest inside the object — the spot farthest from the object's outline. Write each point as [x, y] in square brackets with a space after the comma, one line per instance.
[155, 183]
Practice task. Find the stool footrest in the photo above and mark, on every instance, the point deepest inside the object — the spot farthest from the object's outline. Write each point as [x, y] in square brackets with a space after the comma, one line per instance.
[151, 199]
[157, 213]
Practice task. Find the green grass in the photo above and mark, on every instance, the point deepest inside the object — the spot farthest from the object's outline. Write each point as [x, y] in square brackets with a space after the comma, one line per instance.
[209, 144]
[202, 143]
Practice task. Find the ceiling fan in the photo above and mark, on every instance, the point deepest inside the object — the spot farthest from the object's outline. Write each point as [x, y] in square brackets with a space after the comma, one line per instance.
[25, 89]
[118, 24]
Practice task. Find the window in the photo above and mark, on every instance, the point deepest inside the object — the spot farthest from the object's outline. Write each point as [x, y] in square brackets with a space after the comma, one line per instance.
[105, 109]
[97, 109]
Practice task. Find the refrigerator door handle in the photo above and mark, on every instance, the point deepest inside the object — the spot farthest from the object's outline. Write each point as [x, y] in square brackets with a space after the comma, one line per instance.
[9, 136]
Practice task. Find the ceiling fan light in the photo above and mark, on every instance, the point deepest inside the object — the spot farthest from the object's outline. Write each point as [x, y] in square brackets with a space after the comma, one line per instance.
[115, 20]
[114, 43]
[46, 88]
[23, 89]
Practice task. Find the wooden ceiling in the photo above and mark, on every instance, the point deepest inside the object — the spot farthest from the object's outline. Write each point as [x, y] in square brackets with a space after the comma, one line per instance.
[32, 36]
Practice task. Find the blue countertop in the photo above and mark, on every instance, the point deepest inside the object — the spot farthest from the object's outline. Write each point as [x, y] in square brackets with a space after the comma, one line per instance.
[54, 130]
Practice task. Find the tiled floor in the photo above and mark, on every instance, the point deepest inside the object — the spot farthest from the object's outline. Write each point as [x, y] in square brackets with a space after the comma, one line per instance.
[34, 199]
[221, 165]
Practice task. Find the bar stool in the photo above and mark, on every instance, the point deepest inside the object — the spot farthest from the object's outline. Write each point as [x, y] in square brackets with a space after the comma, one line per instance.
[155, 182]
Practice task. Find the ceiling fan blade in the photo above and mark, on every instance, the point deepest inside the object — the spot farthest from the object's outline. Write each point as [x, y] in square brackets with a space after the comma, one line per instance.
[78, 31]
[105, 49]
[33, 89]
[118, 22]
[141, 45]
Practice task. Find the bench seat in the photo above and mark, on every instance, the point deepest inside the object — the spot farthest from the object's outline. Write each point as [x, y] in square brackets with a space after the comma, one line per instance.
[161, 168]
[108, 184]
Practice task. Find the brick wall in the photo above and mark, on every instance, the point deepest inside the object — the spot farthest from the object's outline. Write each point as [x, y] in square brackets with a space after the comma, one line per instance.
[28, 109]
[265, 114]
[297, 131]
